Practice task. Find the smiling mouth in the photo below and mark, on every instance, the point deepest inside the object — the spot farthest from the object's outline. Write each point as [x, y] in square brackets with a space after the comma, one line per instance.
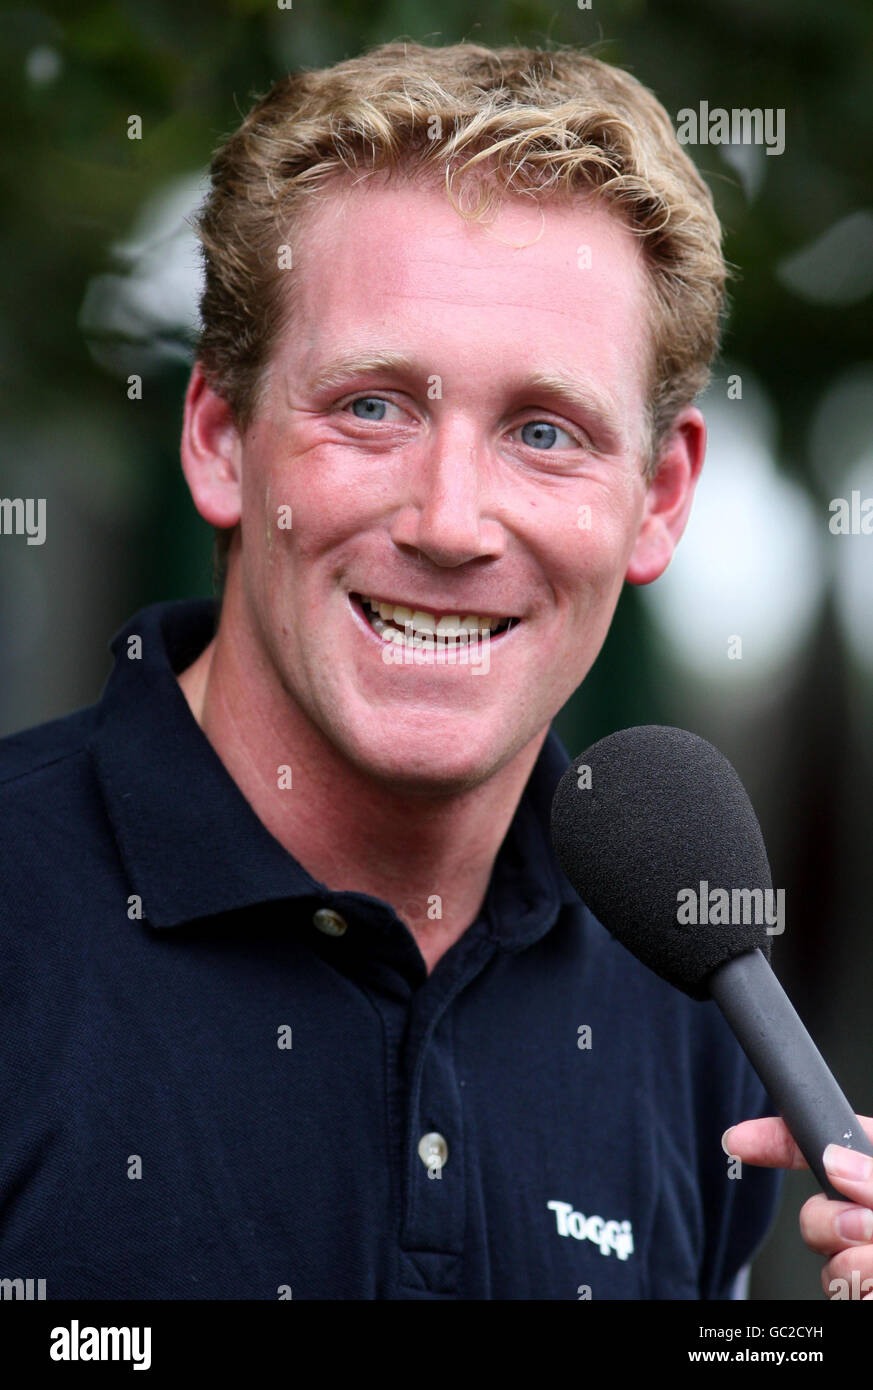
[394, 622]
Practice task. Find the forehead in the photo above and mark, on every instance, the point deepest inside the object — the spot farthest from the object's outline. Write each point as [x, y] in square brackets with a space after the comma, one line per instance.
[392, 265]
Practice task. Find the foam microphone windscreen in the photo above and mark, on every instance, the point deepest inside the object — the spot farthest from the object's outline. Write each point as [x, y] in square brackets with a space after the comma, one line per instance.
[646, 818]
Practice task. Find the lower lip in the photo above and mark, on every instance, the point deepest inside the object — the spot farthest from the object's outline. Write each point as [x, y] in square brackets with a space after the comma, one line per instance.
[361, 619]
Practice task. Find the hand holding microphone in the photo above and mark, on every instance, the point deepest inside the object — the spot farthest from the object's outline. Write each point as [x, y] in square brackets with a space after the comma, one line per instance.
[642, 823]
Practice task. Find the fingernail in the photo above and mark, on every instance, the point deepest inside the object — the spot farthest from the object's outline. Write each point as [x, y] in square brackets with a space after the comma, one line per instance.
[848, 1163]
[724, 1141]
[855, 1225]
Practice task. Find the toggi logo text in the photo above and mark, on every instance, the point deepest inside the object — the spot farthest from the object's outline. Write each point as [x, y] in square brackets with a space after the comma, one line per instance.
[606, 1235]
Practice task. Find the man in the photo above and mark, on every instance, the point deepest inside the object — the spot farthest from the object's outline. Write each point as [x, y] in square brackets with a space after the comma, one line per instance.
[301, 1004]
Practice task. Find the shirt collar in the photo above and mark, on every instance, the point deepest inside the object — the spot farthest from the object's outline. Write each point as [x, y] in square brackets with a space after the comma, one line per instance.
[191, 844]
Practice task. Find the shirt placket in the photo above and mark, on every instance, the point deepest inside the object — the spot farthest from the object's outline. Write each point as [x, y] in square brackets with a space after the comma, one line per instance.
[430, 1263]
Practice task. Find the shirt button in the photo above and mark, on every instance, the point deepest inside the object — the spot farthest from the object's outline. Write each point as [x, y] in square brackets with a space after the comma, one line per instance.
[433, 1150]
[330, 922]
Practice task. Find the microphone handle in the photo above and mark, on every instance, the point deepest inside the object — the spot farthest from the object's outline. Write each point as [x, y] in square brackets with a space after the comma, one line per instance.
[787, 1060]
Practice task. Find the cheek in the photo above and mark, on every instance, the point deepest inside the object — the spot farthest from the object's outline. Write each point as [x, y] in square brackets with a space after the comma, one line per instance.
[585, 555]
[336, 496]
[278, 507]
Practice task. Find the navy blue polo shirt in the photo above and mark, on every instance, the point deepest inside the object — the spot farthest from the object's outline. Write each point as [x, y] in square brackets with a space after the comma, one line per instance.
[222, 1080]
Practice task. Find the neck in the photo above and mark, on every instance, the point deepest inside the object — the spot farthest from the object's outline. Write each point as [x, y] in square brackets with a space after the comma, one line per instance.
[422, 854]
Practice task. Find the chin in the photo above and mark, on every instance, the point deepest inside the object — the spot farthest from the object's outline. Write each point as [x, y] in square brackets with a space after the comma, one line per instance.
[426, 765]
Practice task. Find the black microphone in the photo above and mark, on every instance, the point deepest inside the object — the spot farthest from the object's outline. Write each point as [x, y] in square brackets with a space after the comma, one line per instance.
[655, 831]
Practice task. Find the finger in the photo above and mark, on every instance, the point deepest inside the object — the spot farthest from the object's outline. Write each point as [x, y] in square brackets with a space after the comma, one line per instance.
[829, 1227]
[849, 1275]
[767, 1143]
[850, 1172]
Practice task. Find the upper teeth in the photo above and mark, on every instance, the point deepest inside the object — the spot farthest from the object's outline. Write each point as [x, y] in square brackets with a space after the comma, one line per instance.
[421, 621]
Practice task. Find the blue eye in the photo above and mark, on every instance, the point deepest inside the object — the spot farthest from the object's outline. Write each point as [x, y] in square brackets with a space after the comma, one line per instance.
[539, 434]
[372, 408]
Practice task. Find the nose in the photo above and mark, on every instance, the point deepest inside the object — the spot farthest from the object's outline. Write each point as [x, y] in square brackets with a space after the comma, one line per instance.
[446, 518]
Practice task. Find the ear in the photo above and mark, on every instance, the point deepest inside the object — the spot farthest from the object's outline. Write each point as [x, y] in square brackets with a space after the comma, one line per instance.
[211, 453]
[669, 497]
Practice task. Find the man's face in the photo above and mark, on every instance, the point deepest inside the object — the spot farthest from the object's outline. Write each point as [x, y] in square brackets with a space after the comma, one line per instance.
[490, 467]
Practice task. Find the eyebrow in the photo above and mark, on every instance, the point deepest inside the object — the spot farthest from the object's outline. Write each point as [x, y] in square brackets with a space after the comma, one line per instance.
[560, 385]
[340, 369]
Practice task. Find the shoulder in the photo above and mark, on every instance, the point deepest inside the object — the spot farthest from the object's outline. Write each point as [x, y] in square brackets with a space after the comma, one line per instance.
[49, 803]
[27, 754]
